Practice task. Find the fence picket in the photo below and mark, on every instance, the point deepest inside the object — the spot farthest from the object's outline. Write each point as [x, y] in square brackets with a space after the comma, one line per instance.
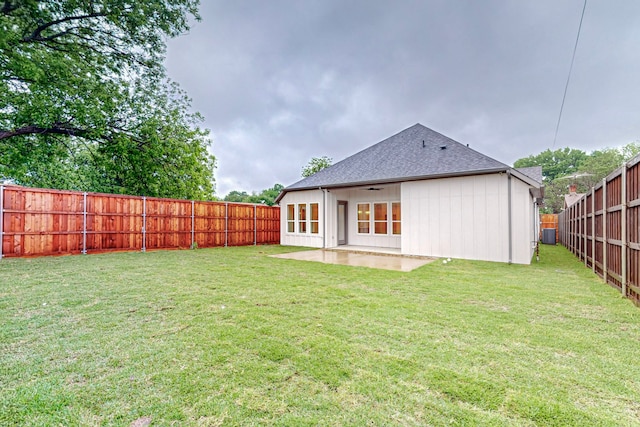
[40, 222]
[614, 231]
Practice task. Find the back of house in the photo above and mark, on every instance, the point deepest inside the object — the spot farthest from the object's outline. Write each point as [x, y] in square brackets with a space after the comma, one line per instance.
[417, 193]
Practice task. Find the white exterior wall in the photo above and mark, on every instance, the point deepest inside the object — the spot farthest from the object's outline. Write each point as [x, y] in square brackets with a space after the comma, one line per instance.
[524, 222]
[299, 239]
[387, 193]
[463, 217]
[467, 217]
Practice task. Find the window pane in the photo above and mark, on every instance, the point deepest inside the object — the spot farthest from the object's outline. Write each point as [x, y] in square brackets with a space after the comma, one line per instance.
[396, 227]
[302, 218]
[363, 212]
[381, 227]
[363, 227]
[314, 211]
[395, 211]
[380, 218]
[314, 227]
[291, 217]
[380, 211]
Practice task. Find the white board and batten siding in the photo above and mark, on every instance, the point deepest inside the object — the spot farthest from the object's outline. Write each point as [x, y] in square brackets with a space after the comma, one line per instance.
[467, 217]
[301, 239]
[387, 193]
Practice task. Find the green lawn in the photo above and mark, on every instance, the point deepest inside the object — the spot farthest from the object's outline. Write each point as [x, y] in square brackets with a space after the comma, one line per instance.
[230, 336]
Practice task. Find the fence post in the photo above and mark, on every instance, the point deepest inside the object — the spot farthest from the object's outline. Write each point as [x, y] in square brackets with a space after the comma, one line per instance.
[604, 229]
[255, 225]
[572, 228]
[1, 219]
[623, 214]
[144, 223]
[226, 224]
[584, 228]
[193, 223]
[84, 223]
[593, 229]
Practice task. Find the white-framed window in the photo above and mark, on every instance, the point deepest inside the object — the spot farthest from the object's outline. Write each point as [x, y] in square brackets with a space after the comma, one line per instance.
[291, 218]
[364, 218]
[314, 218]
[380, 218]
[385, 220]
[395, 218]
[302, 218]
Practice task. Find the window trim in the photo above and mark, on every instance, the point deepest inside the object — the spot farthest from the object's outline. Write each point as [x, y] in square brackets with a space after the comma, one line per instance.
[396, 221]
[291, 221]
[302, 222]
[315, 221]
[384, 221]
[371, 221]
[363, 221]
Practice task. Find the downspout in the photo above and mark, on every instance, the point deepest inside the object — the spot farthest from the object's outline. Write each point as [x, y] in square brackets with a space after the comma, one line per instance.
[509, 216]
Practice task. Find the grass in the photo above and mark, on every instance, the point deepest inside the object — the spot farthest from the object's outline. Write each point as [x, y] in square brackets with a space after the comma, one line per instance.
[231, 337]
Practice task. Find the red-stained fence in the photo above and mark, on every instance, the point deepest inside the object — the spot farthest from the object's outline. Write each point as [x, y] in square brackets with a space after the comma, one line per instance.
[38, 222]
[603, 229]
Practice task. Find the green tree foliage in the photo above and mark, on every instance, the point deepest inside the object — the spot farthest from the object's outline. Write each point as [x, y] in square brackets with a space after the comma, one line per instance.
[266, 197]
[85, 102]
[561, 162]
[596, 166]
[315, 165]
[237, 196]
[566, 166]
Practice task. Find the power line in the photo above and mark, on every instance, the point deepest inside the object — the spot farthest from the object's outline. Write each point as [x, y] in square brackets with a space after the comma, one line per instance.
[573, 57]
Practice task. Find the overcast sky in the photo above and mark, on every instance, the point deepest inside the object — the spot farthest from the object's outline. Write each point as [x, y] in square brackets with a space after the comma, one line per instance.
[280, 82]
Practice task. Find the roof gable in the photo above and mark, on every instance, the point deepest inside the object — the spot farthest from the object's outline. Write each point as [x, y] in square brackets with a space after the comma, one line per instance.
[416, 152]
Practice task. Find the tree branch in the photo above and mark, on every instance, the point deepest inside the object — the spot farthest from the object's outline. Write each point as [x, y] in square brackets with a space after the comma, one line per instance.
[55, 129]
[37, 33]
[8, 7]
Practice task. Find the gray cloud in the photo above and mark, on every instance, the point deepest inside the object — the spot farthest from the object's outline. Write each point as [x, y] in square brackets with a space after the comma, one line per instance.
[280, 82]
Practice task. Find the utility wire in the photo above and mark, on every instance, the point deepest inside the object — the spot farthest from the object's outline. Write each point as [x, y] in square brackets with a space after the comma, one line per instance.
[573, 57]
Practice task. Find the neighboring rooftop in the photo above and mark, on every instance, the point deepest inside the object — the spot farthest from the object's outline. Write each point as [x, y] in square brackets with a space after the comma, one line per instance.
[533, 172]
[572, 197]
[416, 152]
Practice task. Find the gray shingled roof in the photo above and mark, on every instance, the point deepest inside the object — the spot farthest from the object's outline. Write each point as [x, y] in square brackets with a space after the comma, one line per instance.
[416, 152]
[533, 172]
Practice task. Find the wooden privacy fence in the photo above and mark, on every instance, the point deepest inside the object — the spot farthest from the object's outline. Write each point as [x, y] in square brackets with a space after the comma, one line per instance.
[549, 221]
[36, 222]
[603, 229]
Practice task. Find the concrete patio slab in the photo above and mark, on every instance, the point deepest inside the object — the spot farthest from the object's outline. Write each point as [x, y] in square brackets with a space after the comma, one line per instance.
[385, 262]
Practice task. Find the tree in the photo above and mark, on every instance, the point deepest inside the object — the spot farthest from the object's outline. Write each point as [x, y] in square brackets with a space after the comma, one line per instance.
[266, 197]
[567, 166]
[85, 102]
[598, 165]
[561, 162]
[269, 195]
[630, 150]
[236, 196]
[315, 165]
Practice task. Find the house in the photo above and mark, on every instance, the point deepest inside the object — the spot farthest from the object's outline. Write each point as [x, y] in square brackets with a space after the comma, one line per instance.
[417, 193]
[572, 197]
